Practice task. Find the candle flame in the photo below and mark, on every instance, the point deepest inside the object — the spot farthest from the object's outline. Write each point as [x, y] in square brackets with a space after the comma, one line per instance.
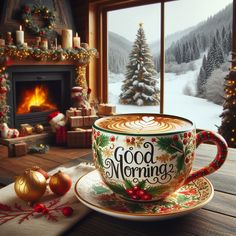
[20, 27]
[76, 34]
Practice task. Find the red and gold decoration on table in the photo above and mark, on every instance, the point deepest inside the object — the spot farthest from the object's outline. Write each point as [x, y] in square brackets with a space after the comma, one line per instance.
[60, 183]
[51, 210]
[47, 16]
[30, 186]
[228, 128]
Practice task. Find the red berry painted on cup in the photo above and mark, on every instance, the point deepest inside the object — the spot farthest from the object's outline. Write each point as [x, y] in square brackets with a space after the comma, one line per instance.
[112, 138]
[146, 197]
[185, 135]
[136, 188]
[130, 192]
[141, 192]
[189, 134]
[135, 197]
[175, 138]
[185, 141]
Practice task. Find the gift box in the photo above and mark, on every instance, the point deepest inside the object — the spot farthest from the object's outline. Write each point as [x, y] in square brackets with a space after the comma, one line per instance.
[81, 138]
[85, 111]
[73, 112]
[21, 149]
[61, 135]
[106, 109]
[82, 121]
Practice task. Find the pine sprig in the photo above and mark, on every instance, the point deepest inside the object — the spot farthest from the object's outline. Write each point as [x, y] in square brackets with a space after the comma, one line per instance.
[167, 144]
[156, 190]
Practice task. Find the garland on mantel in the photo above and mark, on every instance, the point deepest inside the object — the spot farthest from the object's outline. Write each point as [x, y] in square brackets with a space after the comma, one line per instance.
[80, 56]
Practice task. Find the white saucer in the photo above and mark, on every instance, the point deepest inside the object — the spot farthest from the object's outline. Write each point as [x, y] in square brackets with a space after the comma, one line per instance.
[93, 193]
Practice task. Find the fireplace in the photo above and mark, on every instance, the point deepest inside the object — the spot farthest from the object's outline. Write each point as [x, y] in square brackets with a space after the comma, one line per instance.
[36, 91]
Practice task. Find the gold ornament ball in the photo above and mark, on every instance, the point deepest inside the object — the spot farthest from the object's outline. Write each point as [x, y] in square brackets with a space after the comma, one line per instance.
[30, 186]
[39, 128]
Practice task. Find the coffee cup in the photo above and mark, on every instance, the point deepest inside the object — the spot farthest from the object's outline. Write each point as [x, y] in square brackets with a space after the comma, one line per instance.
[146, 157]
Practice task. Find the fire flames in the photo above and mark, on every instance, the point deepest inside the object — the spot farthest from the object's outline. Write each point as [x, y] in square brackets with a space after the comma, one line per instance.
[35, 100]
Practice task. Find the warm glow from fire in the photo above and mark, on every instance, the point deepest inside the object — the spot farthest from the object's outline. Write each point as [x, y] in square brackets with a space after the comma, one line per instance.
[35, 100]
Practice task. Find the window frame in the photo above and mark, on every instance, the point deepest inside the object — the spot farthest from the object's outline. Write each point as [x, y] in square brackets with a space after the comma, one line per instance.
[102, 8]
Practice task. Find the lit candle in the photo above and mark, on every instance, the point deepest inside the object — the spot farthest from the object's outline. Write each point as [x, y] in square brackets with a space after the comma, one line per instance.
[44, 44]
[20, 36]
[76, 41]
[66, 38]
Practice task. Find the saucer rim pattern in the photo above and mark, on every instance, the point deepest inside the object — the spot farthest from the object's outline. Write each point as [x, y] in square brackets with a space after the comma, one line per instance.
[141, 216]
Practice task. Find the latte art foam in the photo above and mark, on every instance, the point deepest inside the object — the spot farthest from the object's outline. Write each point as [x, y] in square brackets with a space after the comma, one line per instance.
[143, 124]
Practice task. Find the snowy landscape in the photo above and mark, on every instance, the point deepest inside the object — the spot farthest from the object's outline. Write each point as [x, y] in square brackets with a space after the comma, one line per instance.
[203, 113]
[196, 65]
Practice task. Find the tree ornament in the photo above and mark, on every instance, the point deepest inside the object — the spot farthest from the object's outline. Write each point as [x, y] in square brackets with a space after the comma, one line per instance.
[44, 13]
[60, 183]
[39, 128]
[67, 211]
[30, 186]
[40, 170]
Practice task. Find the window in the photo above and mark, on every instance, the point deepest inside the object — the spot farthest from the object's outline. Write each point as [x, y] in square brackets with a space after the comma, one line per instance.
[178, 102]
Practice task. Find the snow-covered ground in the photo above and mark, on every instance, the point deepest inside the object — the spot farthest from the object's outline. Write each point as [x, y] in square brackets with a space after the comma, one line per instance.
[203, 113]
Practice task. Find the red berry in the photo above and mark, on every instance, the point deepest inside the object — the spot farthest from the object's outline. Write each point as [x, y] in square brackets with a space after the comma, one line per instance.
[127, 140]
[129, 192]
[98, 133]
[45, 211]
[135, 197]
[187, 160]
[136, 188]
[189, 134]
[154, 140]
[112, 138]
[146, 197]
[175, 138]
[141, 192]
[67, 211]
[39, 207]
[185, 135]
[185, 141]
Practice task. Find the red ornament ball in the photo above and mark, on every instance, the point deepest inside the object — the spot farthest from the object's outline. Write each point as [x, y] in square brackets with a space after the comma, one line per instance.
[67, 211]
[60, 183]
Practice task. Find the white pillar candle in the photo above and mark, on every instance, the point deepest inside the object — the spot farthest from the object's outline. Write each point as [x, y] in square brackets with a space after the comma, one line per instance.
[76, 41]
[66, 38]
[20, 36]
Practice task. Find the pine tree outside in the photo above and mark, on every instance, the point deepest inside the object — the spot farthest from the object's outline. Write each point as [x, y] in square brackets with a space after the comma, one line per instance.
[196, 65]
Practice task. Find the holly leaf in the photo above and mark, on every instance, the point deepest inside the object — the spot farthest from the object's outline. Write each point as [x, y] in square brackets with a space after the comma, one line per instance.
[103, 140]
[180, 162]
[99, 157]
[134, 207]
[181, 198]
[156, 190]
[117, 188]
[128, 184]
[100, 189]
[168, 145]
[141, 184]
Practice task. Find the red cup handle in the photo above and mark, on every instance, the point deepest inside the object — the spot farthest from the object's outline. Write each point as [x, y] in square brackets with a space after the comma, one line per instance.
[222, 150]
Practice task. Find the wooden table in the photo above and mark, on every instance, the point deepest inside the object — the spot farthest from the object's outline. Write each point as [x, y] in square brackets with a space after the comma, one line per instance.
[216, 218]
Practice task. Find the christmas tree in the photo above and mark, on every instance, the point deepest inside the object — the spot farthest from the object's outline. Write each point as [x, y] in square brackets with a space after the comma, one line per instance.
[228, 128]
[140, 86]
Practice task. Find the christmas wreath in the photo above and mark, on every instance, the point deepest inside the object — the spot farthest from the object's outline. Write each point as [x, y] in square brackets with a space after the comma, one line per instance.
[44, 13]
